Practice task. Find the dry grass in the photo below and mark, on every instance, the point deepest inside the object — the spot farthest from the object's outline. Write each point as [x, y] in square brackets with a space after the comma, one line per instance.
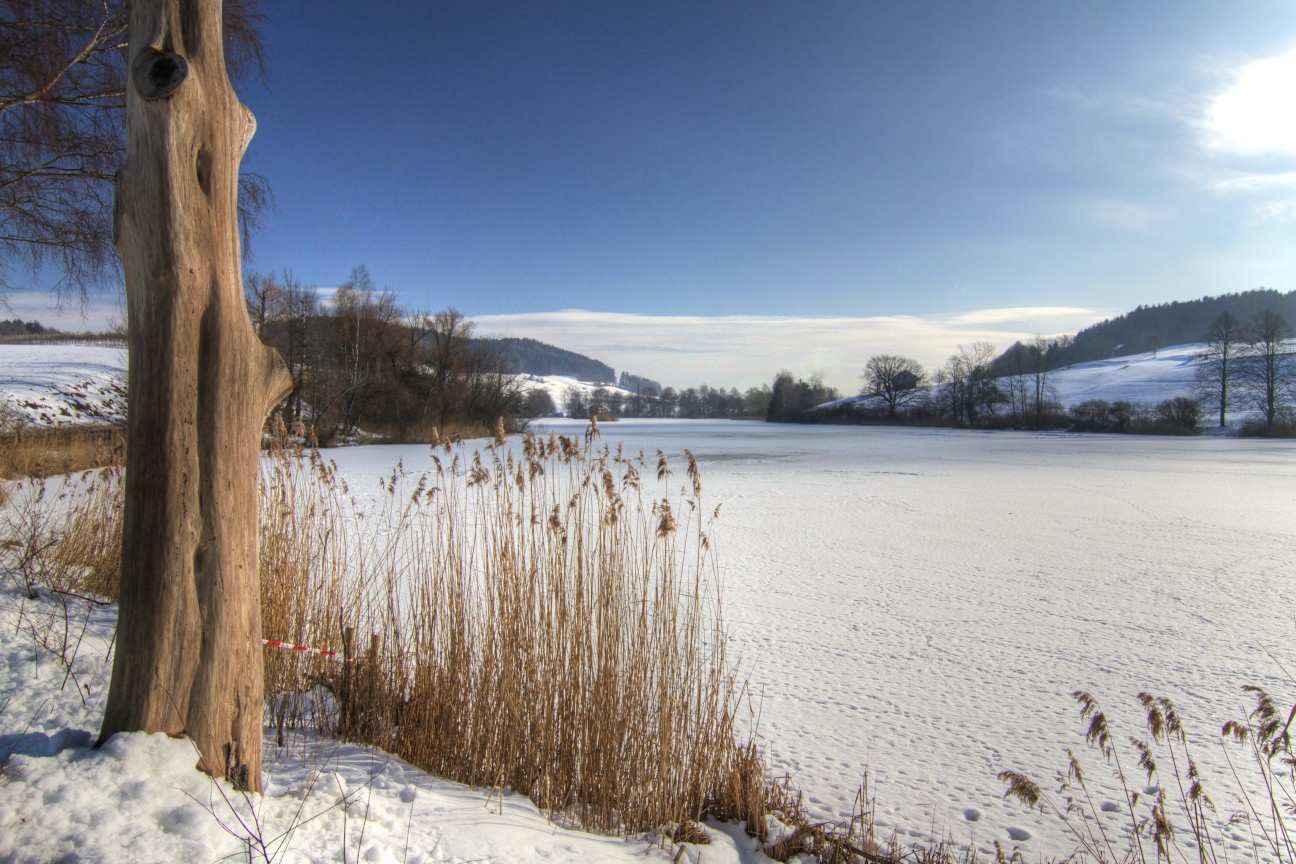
[546, 619]
[26, 451]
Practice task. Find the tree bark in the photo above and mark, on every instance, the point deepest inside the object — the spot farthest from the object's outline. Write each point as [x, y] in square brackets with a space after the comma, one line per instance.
[188, 655]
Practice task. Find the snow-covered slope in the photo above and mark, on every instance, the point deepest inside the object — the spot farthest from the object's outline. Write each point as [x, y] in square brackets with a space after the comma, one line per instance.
[1142, 378]
[557, 386]
[1145, 379]
[140, 798]
[54, 385]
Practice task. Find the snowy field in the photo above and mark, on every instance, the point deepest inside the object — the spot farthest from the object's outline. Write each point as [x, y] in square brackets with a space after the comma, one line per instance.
[1139, 378]
[53, 385]
[919, 604]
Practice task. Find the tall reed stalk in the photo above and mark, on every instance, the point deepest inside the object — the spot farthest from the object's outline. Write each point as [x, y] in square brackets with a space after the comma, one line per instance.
[546, 620]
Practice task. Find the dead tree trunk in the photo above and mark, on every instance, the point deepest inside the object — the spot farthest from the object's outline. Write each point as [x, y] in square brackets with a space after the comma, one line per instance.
[188, 656]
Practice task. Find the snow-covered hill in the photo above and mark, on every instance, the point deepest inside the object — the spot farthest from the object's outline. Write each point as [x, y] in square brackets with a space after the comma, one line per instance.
[56, 385]
[558, 386]
[1142, 378]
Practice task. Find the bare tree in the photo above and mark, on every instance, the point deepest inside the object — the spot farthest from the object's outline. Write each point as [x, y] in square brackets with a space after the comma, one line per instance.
[1268, 369]
[897, 380]
[266, 300]
[62, 122]
[1038, 351]
[967, 389]
[1217, 361]
[297, 337]
[188, 655]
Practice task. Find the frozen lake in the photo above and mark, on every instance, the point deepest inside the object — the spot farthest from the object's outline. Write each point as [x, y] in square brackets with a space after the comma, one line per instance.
[920, 603]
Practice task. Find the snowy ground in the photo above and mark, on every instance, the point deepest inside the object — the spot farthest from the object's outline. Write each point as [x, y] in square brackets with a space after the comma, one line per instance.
[140, 799]
[558, 386]
[53, 385]
[912, 603]
[1140, 378]
[919, 604]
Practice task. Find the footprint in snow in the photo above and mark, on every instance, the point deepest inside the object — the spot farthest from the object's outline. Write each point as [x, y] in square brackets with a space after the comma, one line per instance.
[1018, 834]
[1109, 807]
[972, 814]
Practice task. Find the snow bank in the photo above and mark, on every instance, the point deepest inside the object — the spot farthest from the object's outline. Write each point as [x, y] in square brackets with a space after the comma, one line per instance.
[140, 798]
[54, 385]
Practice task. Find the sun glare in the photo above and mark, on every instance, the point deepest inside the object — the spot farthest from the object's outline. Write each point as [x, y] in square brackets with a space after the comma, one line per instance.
[1255, 115]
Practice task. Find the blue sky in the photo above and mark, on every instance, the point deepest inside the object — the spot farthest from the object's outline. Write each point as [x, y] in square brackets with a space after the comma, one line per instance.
[911, 175]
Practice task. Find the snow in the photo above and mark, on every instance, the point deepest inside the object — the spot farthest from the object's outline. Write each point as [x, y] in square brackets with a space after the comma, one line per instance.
[915, 604]
[1144, 379]
[919, 604]
[54, 385]
[1140, 378]
[557, 386]
[140, 798]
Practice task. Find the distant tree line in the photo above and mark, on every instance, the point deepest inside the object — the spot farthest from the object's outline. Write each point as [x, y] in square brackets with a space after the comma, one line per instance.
[18, 328]
[1248, 365]
[693, 403]
[792, 400]
[362, 362]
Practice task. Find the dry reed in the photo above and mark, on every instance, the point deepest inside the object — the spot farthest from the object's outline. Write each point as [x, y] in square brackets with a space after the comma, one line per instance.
[27, 451]
[1171, 817]
[546, 619]
[541, 621]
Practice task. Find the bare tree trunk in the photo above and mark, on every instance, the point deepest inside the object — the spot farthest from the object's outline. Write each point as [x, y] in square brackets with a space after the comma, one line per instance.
[188, 657]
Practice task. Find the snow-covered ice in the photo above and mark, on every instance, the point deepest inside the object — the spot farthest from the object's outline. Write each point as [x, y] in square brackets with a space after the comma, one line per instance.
[919, 604]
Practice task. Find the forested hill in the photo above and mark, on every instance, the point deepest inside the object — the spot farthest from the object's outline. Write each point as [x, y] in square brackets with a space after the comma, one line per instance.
[531, 357]
[1149, 328]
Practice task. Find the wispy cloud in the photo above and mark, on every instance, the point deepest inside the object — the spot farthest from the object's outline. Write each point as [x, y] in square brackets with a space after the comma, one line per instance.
[747, 350]
[1018, 314]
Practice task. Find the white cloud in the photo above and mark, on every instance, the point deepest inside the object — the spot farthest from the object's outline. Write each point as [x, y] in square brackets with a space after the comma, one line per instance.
[1251, 183]
[1254, 115]
[1277, 211]
[747, 350]
[99, 312]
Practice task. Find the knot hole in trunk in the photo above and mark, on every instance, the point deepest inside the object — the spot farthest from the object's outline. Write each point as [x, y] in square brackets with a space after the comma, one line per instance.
[157, 74]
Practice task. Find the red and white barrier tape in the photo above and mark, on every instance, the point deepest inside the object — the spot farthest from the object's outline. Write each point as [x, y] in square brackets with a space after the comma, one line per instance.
[275, 643]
